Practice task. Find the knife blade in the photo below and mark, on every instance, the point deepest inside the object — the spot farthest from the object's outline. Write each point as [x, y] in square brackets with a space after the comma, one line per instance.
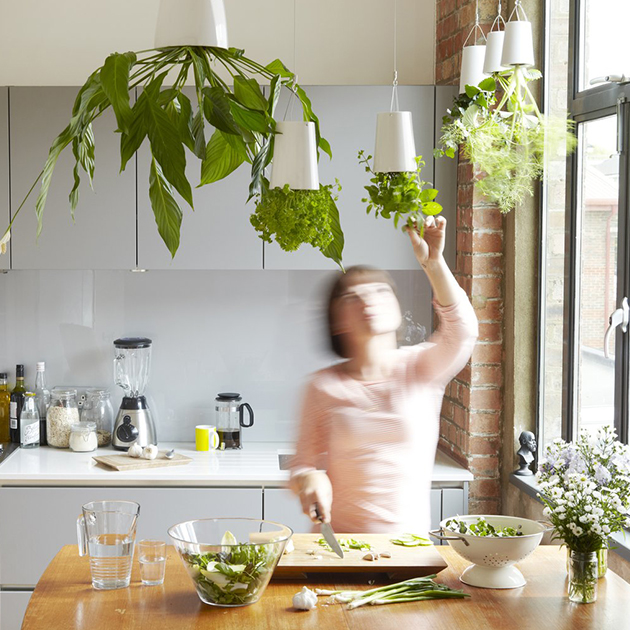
[329, 534]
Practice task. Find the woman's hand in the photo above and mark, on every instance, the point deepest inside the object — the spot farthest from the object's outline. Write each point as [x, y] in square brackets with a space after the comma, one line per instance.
[315, 488]
[429, 247]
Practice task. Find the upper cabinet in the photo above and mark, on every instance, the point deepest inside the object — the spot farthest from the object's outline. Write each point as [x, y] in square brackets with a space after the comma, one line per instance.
[216, 235]
[5, 261]
[347, 117]
[103, 233]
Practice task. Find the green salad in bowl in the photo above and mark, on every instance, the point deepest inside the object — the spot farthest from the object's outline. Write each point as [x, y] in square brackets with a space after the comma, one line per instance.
[230, 561]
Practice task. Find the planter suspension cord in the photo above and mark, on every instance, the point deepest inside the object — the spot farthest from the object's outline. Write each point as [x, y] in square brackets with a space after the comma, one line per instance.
[394, 107]
[498, 20]
[293, 95]
[477, 26]
[518, 10]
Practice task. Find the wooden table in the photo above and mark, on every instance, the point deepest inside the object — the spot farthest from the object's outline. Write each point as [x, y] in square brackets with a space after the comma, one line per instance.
[64, 599]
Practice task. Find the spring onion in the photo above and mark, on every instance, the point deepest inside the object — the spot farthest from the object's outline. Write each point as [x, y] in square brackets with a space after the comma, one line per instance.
[414, 590]
[347, 543]
[411, 540]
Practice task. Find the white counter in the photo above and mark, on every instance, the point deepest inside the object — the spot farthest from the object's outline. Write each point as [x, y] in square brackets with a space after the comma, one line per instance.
[255, 465]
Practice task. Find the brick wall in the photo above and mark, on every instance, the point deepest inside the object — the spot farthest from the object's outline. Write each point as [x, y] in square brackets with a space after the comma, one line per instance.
[472, 412]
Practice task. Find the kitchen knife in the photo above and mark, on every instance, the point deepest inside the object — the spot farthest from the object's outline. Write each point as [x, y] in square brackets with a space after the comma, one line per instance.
[328, 534]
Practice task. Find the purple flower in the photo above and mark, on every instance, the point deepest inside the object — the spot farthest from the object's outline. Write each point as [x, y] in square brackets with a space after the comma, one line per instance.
[602, 475]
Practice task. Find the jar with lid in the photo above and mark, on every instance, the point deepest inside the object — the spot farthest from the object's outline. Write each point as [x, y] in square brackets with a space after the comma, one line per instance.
[63, 412]
[83, 437]
[98, 409]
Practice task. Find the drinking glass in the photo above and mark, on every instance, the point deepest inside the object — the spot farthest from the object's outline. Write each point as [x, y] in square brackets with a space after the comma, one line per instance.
[152, 559]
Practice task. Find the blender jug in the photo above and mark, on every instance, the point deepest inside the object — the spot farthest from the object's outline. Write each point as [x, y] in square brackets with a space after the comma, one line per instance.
[106, 531]
[230, 419]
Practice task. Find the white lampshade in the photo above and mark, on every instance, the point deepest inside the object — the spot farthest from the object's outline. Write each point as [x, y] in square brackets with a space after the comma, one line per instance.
[191, 23]
[472, 73]
[295, 156]
[395, 150]
[518, 45]
[494, 51]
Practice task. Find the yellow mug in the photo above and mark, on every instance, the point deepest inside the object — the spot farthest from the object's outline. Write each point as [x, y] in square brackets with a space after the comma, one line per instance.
[206, 437]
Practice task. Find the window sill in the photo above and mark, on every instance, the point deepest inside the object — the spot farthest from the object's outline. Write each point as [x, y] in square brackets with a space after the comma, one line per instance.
[619, 543]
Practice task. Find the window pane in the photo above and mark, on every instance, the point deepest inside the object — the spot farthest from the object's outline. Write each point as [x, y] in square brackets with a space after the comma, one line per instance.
[604, 43]
[599, 194]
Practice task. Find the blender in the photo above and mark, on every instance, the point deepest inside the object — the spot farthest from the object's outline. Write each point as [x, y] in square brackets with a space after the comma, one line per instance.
[134, 423]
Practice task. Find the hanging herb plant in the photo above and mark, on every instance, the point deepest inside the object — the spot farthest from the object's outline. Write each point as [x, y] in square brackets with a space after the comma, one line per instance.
[242, 118]
[293, 217]
[399, 196]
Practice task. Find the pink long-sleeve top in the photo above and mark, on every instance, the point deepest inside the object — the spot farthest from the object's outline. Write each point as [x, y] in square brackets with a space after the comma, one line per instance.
[377, 439]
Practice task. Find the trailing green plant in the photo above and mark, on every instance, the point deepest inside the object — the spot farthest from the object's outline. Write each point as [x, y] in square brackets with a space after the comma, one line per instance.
[400, 195]
[293, 217]
[507, 143]
[241, 115]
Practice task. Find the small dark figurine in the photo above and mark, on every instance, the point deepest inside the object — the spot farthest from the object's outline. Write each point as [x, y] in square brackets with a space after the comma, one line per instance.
[527, 440]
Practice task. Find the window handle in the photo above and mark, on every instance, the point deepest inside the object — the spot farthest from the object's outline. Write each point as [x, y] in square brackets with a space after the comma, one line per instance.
[610, 78]
[620, 317]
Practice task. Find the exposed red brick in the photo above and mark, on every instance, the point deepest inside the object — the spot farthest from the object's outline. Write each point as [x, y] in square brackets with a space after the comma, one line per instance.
[488, 287]
[485, 488]
[490, 332]
[484, 506]
[487, 375]
[479, 422]
[489, 218]
[487, 466]
[492, 264]
[487, 353]
[486, 242]
[488, 310]
[485, 445]
[486, 399]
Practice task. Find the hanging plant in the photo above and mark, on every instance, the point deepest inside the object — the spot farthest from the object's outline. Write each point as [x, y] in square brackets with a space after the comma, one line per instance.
[400, 196]
[242, 117]
[294, 217]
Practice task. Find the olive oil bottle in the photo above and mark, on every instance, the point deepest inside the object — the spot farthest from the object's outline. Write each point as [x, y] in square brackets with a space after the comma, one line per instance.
[17, 401]
[5, 400]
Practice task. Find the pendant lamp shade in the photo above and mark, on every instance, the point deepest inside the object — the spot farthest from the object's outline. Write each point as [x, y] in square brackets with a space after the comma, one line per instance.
[472, 73]
[494, 51]
[395, 150]
[295, 156]
[518, 46]
[191, 23]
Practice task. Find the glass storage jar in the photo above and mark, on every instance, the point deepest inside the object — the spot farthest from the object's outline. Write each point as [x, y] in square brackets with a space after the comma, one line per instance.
[83, 437]
[98, 409]
[62, 414]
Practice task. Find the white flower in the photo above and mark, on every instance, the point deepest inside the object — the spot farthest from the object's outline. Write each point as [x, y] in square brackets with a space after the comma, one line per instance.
[547, 511]
[606, 529]
[562, 516]
[577, 530]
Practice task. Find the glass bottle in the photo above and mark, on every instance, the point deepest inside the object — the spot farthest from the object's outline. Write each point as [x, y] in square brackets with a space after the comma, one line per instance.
[42, 398]
[5, 404]
[63, 412]
[98, 409]
[17, 400]
[29, 422]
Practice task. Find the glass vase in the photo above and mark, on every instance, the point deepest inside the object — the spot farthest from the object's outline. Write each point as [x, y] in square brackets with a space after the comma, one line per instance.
[602, 562]
[583, 574]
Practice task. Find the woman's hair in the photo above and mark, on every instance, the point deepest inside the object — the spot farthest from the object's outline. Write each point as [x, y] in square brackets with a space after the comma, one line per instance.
[359, 274]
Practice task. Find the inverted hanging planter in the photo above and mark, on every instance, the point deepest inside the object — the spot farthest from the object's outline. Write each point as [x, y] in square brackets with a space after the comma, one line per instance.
[191, 23]
[395, 149]
[473, 56]
[494, 47]
[295, 156]
[518, 45]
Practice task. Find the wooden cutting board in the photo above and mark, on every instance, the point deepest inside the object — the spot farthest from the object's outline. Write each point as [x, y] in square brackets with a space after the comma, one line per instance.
[405, 561]
[125, 462]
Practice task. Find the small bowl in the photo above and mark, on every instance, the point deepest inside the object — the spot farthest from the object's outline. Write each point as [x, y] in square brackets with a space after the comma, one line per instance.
[493, 557]
[225, 571]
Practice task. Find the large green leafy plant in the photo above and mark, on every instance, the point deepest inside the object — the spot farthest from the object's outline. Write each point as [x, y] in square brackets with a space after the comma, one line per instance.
[241, 115]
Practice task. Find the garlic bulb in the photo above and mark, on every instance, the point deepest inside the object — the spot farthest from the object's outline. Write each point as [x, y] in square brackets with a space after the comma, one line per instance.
[150, 452]
[135, 450]
[305, 599]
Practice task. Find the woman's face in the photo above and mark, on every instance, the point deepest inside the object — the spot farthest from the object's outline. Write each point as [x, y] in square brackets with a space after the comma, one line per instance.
[366, 309]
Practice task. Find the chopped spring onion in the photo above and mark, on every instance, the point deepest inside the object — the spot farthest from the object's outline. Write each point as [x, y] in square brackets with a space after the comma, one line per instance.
[411, 540]
[347, 543]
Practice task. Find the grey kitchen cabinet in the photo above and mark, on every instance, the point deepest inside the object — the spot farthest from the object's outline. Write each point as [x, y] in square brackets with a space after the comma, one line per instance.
[103, 234]
[216, 235]
[347, 117]
[5, 261]
[42, 520]
[12, 608]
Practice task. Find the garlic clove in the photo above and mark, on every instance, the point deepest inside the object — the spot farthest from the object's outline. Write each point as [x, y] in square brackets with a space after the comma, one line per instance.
[371, 556]
[385, 554]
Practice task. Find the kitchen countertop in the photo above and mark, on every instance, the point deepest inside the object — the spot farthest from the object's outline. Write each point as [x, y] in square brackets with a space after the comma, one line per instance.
[255, 465]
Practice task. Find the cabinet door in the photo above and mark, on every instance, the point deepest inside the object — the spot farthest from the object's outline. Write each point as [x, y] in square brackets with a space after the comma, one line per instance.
[216, 235]
[436, 511]
[13, 606]
[5, 261]
[103, 234]
[46, 518]
[284, 507]
[348, 121]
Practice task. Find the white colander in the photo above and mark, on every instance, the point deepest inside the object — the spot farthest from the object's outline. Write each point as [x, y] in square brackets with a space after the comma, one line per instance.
[493, 557]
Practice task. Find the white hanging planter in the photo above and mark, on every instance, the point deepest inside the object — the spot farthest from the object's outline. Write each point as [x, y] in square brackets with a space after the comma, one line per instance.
[295, 156]
[473, 56]
[494, 46]
[518, 45]
[191, 23]
[395, 150]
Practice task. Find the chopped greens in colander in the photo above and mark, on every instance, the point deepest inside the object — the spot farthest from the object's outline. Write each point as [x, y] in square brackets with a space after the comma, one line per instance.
[481, 528]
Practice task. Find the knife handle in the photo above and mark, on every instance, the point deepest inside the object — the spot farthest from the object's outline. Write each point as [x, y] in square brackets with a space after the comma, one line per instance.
[318, 513]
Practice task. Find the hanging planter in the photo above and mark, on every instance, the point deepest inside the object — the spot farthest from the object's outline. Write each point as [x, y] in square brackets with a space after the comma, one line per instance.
[395, 147]
[191, 23]
[473, 56]
[518, 45]
[494, 46]
[295, 156]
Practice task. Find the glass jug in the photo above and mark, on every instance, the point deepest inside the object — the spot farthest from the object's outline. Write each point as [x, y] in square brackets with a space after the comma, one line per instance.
[106, 531]
[132, 364]
[230, 419]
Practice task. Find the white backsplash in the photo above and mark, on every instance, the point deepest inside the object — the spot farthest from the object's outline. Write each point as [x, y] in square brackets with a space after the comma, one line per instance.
[259, 333]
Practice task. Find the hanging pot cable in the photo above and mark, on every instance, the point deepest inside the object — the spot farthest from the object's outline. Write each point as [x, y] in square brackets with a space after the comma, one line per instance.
[394, 107]
[293, 95]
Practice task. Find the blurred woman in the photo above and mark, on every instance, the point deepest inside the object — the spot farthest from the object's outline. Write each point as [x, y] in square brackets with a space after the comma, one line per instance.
[370, 424]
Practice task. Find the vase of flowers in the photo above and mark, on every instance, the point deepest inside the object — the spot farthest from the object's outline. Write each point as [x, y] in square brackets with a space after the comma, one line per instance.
[585, 486]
